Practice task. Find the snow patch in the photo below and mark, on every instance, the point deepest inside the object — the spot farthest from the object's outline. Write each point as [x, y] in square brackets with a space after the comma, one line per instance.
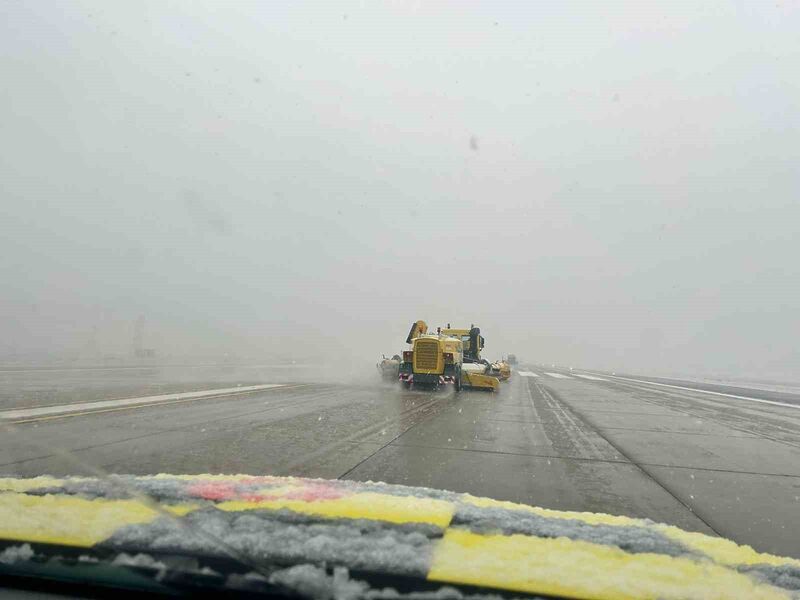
[316, 583]
[15, 554]
[783, 576]
[286, 537]
[629, 538]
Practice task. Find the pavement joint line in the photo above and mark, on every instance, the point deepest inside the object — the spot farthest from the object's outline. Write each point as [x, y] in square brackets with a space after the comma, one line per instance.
[516, 421]
[626, 412]
[473, 450]
[22, 413]
[599, 460]
[640, 466]
[596, 460]
[58, 451]
[72, 451]
[615, 412]
[680, 387]
[712, 470]
[420, 410]
[751, 436]
[760, 435]
[522, 454]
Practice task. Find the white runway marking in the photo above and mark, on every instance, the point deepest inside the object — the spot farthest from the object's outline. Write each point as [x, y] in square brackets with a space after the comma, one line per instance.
[558, 376]
[680, 387]
[64, 409]
[591, 377]
[527, 374]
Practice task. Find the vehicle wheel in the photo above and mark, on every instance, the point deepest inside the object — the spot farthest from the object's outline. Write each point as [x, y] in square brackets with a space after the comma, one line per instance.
[458, 381]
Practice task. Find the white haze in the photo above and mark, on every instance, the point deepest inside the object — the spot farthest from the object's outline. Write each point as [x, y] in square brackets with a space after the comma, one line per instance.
[599, 184]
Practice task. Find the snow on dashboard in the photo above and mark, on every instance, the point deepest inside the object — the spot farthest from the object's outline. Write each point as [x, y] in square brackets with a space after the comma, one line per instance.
[430, 535]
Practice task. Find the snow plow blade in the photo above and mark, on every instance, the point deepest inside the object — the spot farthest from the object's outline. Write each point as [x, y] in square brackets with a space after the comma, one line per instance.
[480, 381]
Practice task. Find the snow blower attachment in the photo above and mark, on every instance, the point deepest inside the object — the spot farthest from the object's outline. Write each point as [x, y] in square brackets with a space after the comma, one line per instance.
[477, 376]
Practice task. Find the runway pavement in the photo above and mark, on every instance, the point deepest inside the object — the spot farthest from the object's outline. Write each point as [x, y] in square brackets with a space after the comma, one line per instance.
[707, 458]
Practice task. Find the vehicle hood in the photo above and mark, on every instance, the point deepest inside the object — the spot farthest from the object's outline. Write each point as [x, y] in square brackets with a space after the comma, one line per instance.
[430, 535]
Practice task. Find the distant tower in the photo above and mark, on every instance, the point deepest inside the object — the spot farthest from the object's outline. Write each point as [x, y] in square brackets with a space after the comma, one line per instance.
[91, 343]
[138, 333]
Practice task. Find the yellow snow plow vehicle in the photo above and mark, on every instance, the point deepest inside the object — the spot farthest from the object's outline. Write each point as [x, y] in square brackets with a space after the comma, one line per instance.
[434, 359]
[447, 357]
[476, 372]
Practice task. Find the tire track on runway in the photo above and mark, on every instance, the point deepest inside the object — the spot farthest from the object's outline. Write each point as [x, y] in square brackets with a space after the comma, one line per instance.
[567, 421]
[641, 466]
[432, 400]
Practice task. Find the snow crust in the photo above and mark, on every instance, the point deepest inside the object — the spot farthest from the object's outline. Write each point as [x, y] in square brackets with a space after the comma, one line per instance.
[315, 582]
[14, 554]
[140, 560]
[632, 539]
[246, 529]
[285, 537]
[783, 576]
[175, 489]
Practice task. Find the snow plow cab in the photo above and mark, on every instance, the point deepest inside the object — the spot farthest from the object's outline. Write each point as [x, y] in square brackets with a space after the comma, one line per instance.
[476, 372]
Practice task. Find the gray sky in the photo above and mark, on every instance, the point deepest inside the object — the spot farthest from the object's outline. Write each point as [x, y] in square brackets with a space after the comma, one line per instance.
[604, 184]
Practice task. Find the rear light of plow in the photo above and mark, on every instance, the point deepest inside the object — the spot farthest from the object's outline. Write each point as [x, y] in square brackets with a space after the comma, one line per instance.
[448, 358]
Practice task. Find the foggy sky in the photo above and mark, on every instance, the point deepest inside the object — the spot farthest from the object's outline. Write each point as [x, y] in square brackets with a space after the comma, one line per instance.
[599, 184]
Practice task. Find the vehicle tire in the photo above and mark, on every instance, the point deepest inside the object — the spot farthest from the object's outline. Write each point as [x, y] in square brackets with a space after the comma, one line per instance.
[458, 381]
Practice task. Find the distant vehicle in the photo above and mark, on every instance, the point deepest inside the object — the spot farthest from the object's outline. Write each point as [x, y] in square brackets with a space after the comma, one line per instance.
[512, 359]
[389, 368]
[501, 369]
